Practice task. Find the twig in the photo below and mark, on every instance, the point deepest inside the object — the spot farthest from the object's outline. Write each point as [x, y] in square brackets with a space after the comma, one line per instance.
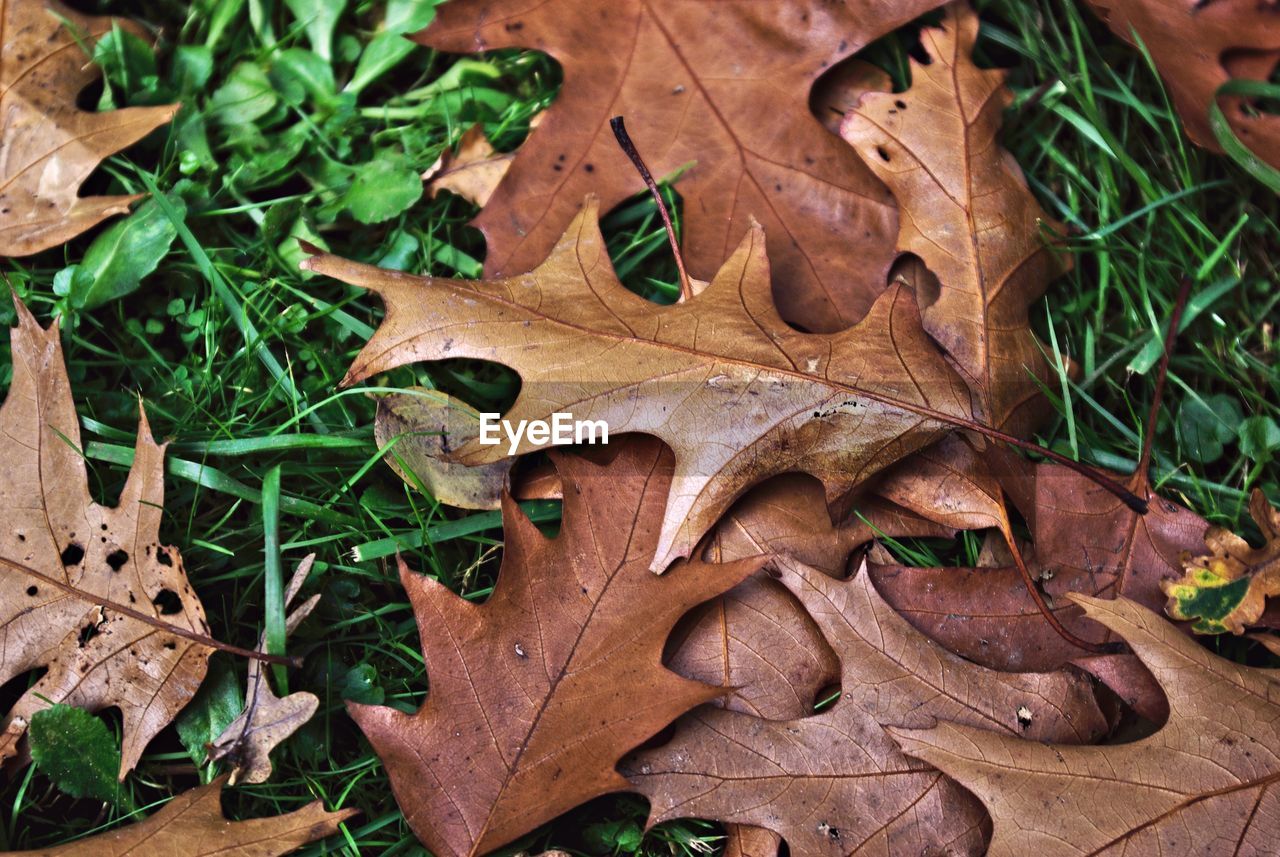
[167, 627]
[628, 147]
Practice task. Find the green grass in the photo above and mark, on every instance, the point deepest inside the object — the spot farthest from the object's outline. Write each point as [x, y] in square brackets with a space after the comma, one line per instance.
[237, 355]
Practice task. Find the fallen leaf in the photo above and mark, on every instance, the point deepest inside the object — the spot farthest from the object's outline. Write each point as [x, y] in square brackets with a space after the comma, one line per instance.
[1083, 540]
[693, 80]
[757, 639]
[50, 145]
[266, 719]
[96, 656]
[1227, 589]
[536, 693]
[835, 783]
[472, 170]
[738, 394]
[967, 212]
[1199, 46]
[192, 825]
[425, 425]
[1201, 785]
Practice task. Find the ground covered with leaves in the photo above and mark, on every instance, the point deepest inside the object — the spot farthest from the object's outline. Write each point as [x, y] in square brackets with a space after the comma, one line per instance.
[304, 128]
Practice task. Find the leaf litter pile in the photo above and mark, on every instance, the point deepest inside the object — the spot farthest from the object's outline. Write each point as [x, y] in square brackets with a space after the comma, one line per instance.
[717, 624]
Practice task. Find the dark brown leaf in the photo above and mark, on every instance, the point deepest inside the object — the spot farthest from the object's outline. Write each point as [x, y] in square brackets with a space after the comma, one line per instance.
[536, 693]
[835, 783]
[693, 80]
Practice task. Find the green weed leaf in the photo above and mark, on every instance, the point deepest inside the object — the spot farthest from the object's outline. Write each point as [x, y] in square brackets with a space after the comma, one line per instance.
[76, 750]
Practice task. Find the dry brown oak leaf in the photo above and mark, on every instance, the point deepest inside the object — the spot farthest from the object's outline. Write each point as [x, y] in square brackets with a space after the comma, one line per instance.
[474, 169]
[1199, 46]
[96, 657]
[757, 639]
[1203, 785]
[722, 85]
[536, 693]
[835, 783]
[1083, 540]
[192, 825]
[966, 211]
[721, 378]
[48, 145]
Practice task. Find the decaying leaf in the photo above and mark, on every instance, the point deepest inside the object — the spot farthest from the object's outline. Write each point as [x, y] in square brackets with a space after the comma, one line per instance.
[49, 145]
[425, 426]
[536, 693]
[834, 783]
[192, 825]
[967, 212]
[1227, 589]
[693, 80]
[267, 719]
[738, 394]
[96, 656]
[757, 638]
[1083, 540]
[1201, 785]
[1199, 46]
[474, 169]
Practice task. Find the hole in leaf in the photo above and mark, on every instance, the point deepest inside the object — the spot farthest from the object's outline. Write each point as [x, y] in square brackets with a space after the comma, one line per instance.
[167, 602]
[72, 554]
[117, 558]
[33, 591]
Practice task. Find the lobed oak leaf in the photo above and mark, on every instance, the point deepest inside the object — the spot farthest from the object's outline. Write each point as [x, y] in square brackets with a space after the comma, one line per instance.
[966, 211]
[721, 86]
[1202, 785]
[835, 783]
[536, 693]
[735, 392]
[192, 825]
[1083, 540]
[1199, 46]
[49, 146]
[87, 560]
[1227, 589]
[756, 639]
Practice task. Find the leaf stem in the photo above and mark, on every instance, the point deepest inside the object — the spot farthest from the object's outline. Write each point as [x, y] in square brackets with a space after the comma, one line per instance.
[629, 148]
[1171, 337]
[169, 628]
[1034, 591]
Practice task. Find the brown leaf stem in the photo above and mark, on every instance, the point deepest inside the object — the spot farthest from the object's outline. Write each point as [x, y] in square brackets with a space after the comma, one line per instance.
[629, 148]
[1170, 338]
[1034, 592]
[177, 631]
